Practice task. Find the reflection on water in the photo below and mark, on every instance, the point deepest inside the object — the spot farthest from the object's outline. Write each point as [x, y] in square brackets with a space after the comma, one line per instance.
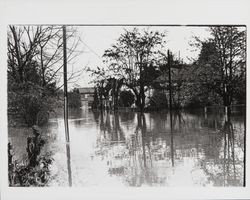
[134, 149]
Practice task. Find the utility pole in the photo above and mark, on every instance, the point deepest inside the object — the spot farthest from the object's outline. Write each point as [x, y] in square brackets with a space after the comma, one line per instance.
[66, 104]
[65, 85]
[170, 105]
[169, 80]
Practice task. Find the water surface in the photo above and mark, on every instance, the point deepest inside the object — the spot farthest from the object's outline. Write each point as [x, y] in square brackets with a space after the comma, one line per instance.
[133, 149]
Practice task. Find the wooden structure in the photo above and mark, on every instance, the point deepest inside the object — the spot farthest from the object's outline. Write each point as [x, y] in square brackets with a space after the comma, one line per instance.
[87, 96]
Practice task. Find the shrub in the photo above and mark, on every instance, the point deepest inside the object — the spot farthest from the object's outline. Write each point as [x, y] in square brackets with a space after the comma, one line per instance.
[34, 171]
[126, 98]
[32, 102]
[74, 99]
[158, 100]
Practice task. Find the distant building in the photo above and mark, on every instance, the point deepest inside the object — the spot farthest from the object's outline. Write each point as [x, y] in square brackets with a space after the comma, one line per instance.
[87, 96]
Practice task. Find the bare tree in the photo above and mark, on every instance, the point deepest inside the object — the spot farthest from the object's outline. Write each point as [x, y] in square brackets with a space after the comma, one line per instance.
[42, 45]
[35, 60]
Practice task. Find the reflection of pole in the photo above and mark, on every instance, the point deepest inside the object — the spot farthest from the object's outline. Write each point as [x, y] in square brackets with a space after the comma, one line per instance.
[233, 155]
[69, 164]
[143, 135]
[66, 105]
[170, 106]
[172, 142]
[224, 160]
[144, 151]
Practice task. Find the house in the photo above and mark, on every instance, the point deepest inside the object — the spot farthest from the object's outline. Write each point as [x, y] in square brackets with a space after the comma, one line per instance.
[87, 96]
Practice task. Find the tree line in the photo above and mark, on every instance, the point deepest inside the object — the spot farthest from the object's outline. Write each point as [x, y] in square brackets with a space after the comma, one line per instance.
[138, 63]
[134, 72]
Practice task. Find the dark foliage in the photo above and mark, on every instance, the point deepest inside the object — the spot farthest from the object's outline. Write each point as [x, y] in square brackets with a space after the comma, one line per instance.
[126, 98]
[158, 100]
[96, 100]
[74, 99]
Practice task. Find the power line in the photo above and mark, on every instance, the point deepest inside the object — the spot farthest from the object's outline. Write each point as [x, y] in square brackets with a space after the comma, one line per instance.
[92, 50]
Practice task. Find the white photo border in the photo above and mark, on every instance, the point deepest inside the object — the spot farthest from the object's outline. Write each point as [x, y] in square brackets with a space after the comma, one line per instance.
[100, 12]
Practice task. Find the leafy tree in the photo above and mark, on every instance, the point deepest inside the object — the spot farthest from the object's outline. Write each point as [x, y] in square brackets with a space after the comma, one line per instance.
[107, 86]
[131, 58]
[221, 66]
[29, 100]
[179, 76]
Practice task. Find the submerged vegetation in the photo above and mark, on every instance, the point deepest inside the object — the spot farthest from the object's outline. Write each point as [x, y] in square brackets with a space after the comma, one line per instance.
[34, 169]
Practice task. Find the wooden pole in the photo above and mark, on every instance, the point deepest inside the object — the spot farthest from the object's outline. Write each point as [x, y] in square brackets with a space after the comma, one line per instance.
[170, 81]
[66, 104]
[65, 85]
[170, 105]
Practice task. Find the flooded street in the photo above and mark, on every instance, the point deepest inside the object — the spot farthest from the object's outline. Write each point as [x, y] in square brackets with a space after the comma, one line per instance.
[131, 149]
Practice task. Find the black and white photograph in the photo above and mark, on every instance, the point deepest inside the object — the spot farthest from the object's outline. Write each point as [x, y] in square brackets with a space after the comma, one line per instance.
[125, 106]
[139, 106]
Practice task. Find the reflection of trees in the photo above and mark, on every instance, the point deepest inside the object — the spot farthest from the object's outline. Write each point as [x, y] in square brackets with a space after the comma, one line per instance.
[111, 142]
[110, 126]
[80, 117]
[147, 152]
[127, 116]
[177, 120]
[212, 121]
[140, 169]
[172, 137]
[131, 159]
[117, 133]
[226, 169]
[157, 124]
[96, 115]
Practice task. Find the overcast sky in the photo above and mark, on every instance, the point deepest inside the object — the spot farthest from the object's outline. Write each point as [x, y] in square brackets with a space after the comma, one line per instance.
[96, 39]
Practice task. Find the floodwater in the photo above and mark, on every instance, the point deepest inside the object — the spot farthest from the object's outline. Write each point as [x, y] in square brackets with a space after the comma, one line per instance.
[132, 149]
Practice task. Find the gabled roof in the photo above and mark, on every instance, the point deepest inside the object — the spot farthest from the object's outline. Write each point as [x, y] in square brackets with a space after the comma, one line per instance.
[86, 90]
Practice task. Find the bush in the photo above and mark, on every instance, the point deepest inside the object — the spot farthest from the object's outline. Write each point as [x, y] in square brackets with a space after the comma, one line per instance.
[34, 171]
[74, 99]
[126, 98]
[158, 100]
[32, 102]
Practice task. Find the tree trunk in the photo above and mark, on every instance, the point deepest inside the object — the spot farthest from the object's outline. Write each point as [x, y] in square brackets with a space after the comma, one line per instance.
[142, 98]
[20, 65]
